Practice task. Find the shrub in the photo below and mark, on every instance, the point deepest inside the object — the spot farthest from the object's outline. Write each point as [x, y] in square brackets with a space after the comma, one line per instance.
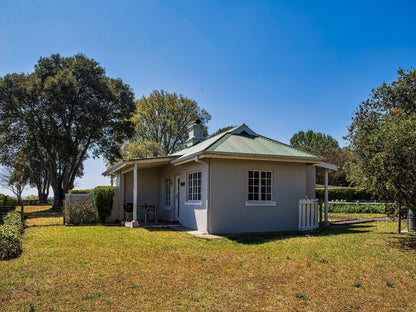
[31, 199]
[80, 212]
[346, 193]
[80, 191]
[6, 201]
[103, 200]
[360, 208]
[11, 235]
[13, 219]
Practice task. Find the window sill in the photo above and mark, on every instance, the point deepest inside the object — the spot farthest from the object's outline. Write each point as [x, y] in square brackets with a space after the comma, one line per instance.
[193, 203]
[258, 203]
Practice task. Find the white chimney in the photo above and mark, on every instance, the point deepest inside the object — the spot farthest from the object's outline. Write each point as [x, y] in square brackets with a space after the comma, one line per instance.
[195, 133]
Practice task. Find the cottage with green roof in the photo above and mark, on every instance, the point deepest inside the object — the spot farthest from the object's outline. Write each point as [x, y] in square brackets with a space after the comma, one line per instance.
[235, 182]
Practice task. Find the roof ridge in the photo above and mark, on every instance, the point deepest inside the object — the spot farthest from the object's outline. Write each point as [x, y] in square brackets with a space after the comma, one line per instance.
[289, 146]
[218, 142]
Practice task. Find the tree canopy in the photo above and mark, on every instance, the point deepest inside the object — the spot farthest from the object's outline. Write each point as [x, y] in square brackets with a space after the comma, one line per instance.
[61, 113]
[161, 124]
[383, 140]
[327, 147]
[311, 140]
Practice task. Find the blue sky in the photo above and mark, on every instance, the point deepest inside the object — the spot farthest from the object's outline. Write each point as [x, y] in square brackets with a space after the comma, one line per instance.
[278, 66]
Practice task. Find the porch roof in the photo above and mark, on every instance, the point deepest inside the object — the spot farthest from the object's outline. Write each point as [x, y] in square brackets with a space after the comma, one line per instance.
[141, 163]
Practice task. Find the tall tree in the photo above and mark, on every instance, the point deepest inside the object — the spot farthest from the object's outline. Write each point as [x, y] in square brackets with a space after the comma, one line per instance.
[383, 141]
[327, 147]
[15, 179]
[161, 122]
[65, 111]
[313, 140]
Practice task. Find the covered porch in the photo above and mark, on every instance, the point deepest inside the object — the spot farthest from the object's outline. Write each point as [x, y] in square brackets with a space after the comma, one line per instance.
[144, 195]
[309, 208]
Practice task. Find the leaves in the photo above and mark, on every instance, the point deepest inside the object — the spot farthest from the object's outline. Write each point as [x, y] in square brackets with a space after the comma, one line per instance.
[383, 140]
[161, 122]
[63, 112]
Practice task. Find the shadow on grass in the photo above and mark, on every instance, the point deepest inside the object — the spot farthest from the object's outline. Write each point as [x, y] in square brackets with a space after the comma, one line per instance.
[262, 238]
[47, 213]
[405, 243]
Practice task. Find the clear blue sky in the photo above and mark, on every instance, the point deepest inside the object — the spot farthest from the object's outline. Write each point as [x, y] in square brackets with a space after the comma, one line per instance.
[278, 66]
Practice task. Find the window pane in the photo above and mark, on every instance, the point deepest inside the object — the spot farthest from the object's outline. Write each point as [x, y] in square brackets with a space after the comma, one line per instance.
[256, 174]
[255, 196]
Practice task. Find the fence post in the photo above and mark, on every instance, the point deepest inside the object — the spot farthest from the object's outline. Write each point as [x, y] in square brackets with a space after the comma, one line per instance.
[320, 213]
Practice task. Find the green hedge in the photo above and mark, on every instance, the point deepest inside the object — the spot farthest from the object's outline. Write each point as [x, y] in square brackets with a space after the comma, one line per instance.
[87, 191]
[103, 199]
[361, 208]
[346, 193]
[11, 231]
[7, 201]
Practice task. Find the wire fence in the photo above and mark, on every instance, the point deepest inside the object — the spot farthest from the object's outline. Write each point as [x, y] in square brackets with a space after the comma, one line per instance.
[37, 215]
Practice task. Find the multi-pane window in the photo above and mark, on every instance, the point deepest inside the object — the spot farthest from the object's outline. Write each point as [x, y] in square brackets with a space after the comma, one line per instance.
[260, 185]
[194, 186]
[168, 183]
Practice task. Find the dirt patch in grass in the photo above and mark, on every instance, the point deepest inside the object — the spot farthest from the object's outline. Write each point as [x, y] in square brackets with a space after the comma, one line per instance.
[96, 268]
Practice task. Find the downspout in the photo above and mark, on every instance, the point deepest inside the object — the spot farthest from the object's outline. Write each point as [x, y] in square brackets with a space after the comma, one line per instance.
[208, 203]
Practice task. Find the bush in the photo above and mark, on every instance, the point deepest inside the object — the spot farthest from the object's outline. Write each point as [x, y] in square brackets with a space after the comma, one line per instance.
[79, 191]
[7, 201]
[360, 208]
[103, 200]
[80, 212]
[11, 235]
[346, 193]
[13, 219]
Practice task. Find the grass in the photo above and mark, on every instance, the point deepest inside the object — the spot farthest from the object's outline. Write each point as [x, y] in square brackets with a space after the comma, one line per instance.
[41, 216]
[99, 268]
[359, 215]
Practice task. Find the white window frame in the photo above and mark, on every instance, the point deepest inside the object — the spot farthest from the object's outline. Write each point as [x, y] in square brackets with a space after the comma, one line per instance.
[168, 192]
[259, 202]
[196, 189]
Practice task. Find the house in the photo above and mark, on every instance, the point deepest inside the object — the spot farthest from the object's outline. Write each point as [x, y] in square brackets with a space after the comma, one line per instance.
[237, 181]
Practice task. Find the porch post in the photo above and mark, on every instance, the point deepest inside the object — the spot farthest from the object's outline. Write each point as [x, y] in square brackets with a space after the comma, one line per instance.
[134, 221]
[326, 222]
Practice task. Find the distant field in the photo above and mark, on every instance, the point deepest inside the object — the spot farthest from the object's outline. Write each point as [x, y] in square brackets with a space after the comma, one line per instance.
[42, 215]
[363, 267]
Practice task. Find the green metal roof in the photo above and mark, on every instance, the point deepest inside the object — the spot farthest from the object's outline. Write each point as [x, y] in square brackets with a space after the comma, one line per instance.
[242, 140]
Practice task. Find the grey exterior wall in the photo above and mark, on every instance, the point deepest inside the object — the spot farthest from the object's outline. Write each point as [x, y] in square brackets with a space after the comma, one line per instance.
[310, 181]
[229, 188]
[224, 188]
[191, 214]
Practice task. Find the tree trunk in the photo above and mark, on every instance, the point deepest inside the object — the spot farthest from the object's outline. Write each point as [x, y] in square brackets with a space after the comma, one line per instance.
[43, 198]
[58, 197]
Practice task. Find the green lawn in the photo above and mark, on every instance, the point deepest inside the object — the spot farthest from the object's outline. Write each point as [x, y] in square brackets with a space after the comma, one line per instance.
[42, 215]
[364, 267]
